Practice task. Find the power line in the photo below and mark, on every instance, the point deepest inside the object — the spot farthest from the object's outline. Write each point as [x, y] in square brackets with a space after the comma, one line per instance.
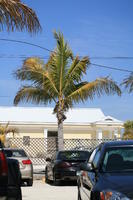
[49, 50]
[94, 64]
[114, 68]
[28, 43]
[112, 57]
[13, 56]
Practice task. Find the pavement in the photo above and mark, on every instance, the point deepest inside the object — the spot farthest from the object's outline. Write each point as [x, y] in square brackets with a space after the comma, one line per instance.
[43, 191]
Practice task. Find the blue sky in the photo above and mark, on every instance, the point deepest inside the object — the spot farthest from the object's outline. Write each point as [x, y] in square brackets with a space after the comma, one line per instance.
[91, 27]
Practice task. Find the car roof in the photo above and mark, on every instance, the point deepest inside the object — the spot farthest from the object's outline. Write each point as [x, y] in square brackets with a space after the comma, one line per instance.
[72, 150]
[119, 143]
[14, 149]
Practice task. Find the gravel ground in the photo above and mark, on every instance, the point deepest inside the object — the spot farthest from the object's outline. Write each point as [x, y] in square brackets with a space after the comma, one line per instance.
[43, 191]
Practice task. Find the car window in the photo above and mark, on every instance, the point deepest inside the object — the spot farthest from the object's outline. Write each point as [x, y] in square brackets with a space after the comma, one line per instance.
[92, 156]
[17, 153]
[118, 159]
[96, 158]
[73, 155]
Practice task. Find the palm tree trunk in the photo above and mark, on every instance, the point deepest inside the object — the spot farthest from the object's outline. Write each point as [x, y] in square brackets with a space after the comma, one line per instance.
[60, 135]
[60, 117]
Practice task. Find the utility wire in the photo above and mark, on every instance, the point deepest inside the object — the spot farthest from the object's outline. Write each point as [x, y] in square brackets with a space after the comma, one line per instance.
[46, 57]
[46, 49]
[114, 68]
[28, 43]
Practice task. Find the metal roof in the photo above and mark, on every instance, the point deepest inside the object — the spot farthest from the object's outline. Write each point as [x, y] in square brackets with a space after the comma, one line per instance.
[35, 115]
[108, 120]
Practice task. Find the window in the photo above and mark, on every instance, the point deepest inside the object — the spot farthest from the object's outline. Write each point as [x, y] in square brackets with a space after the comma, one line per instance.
[26, 140]
[73, 155]
[18, 153]
[118, 159]
[52, 133]
[96, 158]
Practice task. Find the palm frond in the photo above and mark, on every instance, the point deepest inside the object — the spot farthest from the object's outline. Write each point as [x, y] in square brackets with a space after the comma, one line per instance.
[6, 129]
[12, 130]
[78, 68]
[100, 86]
[128, 82]
[75, 72]
[16, 15]
[58, 62]
[33, 94]
[35, 71]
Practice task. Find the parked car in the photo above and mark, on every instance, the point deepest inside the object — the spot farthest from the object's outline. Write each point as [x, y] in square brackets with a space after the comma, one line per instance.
[26, 167]
[14, 180]
[108, 174]
[3, 174]
[64, 164]
[10, 177]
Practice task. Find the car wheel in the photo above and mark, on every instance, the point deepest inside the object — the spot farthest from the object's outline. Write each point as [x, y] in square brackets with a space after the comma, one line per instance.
[46, 176]
[30, 182]
[19, 195]
[79, 196]
[55, 181]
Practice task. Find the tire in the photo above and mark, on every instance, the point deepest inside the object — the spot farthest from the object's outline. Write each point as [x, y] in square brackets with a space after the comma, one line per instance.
[46, 176]
[16, 194]
[55, 181]
[79, 196]
[30, 182]
[19, 195]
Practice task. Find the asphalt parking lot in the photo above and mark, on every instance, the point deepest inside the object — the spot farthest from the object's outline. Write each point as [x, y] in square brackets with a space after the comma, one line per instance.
[41, 191]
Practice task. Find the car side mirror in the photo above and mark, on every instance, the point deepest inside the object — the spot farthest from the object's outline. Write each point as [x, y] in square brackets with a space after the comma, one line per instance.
[48, 159]
[86, 167]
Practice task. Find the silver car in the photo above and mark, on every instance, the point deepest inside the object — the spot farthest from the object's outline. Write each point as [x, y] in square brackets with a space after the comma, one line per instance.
[25, 163]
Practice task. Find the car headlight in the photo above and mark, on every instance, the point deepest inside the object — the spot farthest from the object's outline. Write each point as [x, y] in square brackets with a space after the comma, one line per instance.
[112, 195]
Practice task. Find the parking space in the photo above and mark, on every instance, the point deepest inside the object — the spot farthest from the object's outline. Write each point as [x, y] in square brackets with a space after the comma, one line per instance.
[41, 191]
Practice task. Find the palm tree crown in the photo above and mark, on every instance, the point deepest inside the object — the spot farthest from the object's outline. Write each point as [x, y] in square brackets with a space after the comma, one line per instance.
[60, 81]
[4, 130]
[128, 82]
[16, 15]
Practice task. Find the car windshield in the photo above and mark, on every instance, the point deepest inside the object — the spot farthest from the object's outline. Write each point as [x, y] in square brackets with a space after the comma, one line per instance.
[16, 153]
[73, 155]
[118, 159]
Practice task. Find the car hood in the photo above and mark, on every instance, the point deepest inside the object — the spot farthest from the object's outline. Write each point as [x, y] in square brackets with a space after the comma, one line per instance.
[120, 182]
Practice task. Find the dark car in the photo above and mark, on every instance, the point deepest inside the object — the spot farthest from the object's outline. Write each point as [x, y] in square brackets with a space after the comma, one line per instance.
[10, 178]
[64, 165]
[3, 175]
[108, 175]
[14, 180]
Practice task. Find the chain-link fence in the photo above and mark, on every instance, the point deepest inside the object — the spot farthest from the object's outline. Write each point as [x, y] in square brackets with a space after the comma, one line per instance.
[39, 148]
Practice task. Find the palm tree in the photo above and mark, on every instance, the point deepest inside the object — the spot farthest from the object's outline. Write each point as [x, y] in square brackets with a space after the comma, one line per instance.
[16, 15]
[128, 130]
[60, 81]
[128, 82]
[4, 130]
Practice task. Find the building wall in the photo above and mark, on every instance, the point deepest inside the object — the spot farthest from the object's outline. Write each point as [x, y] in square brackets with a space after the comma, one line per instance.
[32, 135]
[75, 131]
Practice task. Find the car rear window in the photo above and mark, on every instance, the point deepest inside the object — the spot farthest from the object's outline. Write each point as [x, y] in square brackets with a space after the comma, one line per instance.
[16, 153]
[73, 155]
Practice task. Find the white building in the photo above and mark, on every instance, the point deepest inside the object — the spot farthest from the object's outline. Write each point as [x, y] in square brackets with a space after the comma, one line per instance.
[82, 123]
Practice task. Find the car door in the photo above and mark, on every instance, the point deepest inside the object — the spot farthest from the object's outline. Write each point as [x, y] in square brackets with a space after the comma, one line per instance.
[89, 178]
